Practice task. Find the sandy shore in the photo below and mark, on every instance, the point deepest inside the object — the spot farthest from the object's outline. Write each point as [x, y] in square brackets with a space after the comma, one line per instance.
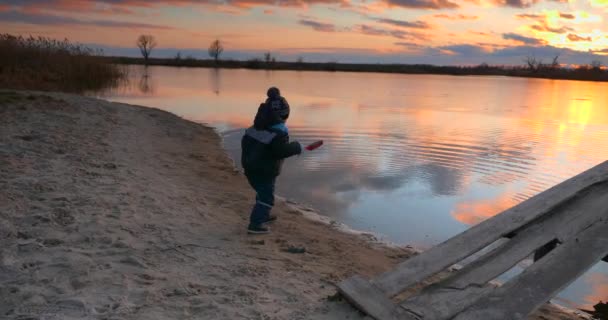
[109, 211]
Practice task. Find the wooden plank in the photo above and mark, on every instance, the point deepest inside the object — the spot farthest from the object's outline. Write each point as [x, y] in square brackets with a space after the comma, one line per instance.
[544, 279]
[443, 303]
[456, 293]
[449, 297]
[463, 245]
[563, 224]
[368, 298]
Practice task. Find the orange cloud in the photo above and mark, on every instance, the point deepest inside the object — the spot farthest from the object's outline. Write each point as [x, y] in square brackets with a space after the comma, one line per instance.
[423, 4]
[553, 15]
[456, 17]
[574, 37]
[531, 16]
[545, 27]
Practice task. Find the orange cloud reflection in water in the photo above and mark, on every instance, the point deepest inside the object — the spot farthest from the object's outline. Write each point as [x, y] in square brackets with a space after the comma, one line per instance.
[461, 149]
[599, 290]
[562, 122]
[474, 212]
[515, 136]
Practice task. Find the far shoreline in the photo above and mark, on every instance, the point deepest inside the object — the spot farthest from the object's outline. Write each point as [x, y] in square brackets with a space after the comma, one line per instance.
[583, 73]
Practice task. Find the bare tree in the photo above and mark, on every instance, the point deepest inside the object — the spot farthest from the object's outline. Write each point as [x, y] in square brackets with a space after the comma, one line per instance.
[268, 57]
[555, 62]
[215, 50]
[534, 64]
[531, 62]
[146, 43]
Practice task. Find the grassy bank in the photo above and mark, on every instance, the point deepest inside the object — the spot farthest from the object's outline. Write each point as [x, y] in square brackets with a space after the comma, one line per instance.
[541, 71]
[48, 64]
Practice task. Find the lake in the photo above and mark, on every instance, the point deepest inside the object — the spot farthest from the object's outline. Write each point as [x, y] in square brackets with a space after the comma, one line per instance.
[415, 159]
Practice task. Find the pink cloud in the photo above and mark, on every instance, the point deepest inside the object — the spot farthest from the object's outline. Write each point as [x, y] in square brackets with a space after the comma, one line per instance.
[318, 26]
[127, 6]
[405, 24]
[456, 17]
[377, 31]
[516, 3]
[423, 4]
[36, 18]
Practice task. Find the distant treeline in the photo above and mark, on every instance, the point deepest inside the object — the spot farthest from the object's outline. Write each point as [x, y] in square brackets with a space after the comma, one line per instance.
[536, 70]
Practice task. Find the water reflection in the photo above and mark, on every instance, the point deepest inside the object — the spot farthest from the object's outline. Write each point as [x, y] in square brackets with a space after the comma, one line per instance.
[599, 289]
[215, 80]
[417, 159]
[145, 85]
[473, 212]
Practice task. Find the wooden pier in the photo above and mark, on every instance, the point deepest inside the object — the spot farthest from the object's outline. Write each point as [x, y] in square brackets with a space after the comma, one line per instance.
[570, 220]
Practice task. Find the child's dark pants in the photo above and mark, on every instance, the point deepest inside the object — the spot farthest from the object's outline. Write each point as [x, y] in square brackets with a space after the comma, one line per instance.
[264, 200]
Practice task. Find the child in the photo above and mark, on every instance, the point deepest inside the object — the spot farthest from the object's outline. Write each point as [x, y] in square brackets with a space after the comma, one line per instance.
[264, 147]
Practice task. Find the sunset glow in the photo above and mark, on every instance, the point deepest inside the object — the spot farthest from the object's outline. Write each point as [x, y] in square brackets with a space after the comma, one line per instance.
[406, 31]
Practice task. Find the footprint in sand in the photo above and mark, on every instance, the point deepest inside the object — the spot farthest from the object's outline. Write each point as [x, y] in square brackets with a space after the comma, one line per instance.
[144, 279]
[51, 242]
[133, 262]
[63, 217]
[30, 265]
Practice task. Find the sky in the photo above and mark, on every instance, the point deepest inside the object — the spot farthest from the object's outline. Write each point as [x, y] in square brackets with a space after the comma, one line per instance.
[441, 32]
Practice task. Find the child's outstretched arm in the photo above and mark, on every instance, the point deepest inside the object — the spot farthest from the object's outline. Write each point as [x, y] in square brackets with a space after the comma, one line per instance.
[281, 148]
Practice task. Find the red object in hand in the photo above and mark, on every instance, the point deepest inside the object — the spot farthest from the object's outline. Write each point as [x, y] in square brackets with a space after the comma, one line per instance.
[314, 145]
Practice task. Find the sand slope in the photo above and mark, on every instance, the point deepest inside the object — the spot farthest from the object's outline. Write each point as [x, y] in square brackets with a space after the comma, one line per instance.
[109, 211]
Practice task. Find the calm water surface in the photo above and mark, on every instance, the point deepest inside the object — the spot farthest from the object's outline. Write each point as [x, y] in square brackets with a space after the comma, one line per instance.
[414, 158]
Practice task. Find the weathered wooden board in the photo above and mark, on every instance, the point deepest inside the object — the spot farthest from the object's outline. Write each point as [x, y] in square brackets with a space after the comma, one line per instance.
[463, 245]
[544, 279]
[563, 225]
[369, 299]
[443, 303]
[574, 212]
[464, 288]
